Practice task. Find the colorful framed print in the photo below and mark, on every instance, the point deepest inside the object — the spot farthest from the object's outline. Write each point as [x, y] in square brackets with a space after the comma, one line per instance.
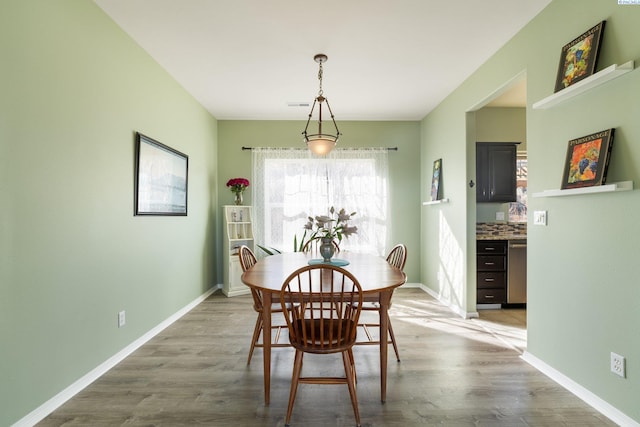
[588, 160]
[518, 209]
[435, 180]
[579, 57]
[160, 179]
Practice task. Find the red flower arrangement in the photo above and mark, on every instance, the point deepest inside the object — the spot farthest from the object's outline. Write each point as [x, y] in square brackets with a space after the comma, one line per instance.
[238, 185]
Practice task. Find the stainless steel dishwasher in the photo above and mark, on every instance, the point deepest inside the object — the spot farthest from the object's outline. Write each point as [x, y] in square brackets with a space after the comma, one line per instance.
[517, 272]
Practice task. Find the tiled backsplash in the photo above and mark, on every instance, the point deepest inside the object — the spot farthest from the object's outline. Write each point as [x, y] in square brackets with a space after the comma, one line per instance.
[501, 229]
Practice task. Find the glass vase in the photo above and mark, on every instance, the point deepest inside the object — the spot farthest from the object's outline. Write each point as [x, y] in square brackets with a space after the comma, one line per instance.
[327, 249]
[238, 199]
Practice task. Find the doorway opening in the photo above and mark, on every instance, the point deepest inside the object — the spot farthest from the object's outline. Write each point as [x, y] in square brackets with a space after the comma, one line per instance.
[500, 118]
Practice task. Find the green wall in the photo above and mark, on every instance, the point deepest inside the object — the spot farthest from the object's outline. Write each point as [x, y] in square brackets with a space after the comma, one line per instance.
[75, 88]
[502, 124]
[583, 295]
[404, 166]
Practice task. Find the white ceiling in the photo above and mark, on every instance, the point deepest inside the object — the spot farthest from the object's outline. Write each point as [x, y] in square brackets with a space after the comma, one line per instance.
[388, 60]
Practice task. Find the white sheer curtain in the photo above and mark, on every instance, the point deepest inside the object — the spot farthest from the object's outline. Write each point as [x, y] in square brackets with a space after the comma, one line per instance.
[291, 184]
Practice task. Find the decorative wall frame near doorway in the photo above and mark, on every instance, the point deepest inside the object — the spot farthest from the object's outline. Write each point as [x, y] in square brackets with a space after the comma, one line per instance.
[160, 178]
[579, 57]
[435, 180]
[518, 209]
[588, 160]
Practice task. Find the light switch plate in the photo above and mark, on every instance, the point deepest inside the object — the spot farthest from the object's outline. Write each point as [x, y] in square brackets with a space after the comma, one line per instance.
[540, 218]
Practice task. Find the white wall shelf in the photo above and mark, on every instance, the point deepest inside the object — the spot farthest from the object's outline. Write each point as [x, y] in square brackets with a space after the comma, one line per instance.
[602, 76]
[435, 202]
[617, 186]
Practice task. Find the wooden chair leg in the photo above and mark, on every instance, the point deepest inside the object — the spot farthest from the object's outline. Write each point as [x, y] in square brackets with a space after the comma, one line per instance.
[393, 341]
[295, 377]
[353, 365]
[349, 373]
[256, 336]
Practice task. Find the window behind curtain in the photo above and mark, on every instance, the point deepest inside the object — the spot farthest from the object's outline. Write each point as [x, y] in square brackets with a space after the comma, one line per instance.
[289, 185]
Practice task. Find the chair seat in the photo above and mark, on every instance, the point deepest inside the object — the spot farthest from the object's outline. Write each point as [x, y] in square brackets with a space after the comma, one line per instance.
[318, 336]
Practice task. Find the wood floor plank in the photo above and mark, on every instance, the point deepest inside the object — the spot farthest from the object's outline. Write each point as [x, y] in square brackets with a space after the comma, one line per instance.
[454, 372]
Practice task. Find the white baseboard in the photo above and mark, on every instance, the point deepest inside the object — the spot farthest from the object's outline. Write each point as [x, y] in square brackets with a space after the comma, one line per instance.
[234, 293]
[588, 397]
[59, 399]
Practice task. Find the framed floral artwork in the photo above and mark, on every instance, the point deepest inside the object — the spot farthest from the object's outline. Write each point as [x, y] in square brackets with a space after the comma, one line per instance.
[435, 180]
[579, 57]
[518, 209]
[160, 178]
[588, 160]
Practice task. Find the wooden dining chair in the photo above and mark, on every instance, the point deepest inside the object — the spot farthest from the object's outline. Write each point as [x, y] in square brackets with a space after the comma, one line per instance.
[248, 260]
[327, 302]
[397, 258]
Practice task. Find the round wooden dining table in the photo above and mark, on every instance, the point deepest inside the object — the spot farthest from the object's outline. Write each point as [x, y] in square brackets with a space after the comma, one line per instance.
[377, 278]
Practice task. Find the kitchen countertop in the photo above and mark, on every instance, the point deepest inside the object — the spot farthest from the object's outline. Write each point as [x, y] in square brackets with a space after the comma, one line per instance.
[501, 237]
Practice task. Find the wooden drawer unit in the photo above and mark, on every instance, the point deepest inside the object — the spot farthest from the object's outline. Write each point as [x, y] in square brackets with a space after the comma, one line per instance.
[491, 272]
[492, 263]
[492, 279]
[492, 296]
[492, 247]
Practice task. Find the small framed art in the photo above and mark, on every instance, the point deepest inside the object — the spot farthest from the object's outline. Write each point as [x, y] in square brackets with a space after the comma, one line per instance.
[435, 180]
[588, 160]
[579, 57]
[160, 178]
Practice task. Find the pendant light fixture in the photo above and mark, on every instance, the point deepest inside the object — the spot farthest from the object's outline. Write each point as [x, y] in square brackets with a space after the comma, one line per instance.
[320, 143]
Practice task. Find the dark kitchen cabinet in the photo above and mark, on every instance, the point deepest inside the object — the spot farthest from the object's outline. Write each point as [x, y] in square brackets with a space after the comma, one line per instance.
[495, 172]
[491, 271]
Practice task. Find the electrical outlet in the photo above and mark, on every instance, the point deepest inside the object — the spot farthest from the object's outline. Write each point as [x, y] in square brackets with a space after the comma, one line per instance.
[121, 319]
[499, 216]
[617, 364]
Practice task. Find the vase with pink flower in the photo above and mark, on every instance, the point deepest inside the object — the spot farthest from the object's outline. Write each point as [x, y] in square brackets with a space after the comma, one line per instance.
[329, 229]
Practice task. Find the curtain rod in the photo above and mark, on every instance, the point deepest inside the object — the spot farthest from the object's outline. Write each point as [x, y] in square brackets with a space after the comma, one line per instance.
[345, 148]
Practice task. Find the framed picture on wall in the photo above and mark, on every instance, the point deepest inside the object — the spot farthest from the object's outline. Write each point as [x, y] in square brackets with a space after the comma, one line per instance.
[160, 178]
[579, 57]
[518, 209]
[588, 160]
[435, 180]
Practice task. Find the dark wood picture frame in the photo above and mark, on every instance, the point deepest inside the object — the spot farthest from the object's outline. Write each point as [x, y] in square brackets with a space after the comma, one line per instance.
[161, 179]
[435, 180]
[579, 57]
[588, 160]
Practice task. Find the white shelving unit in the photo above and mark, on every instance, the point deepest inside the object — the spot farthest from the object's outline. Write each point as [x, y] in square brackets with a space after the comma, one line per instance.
[608, 188]
[602, 76]
[238, 231]
[435, 202]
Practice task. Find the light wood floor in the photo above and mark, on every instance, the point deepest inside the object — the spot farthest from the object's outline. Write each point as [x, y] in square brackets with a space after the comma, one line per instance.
[453, 372]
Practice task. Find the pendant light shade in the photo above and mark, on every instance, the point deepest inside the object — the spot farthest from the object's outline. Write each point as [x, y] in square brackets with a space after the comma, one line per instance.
[320, 143]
